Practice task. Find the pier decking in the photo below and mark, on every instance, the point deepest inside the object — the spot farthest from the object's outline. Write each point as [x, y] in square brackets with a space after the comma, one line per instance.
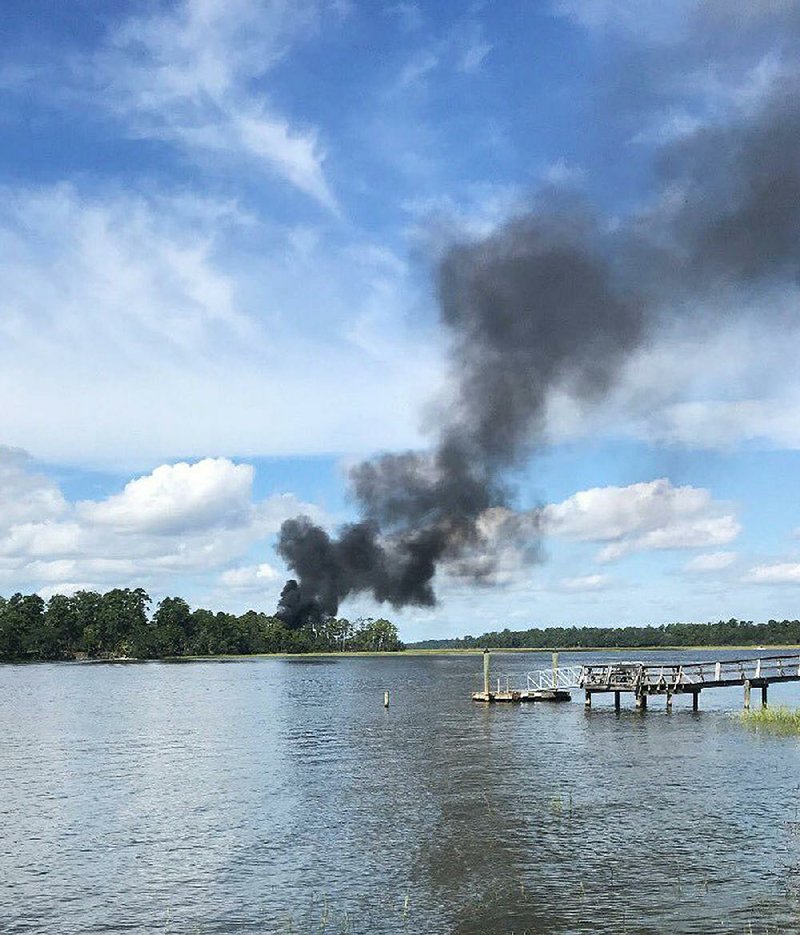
[643, 680]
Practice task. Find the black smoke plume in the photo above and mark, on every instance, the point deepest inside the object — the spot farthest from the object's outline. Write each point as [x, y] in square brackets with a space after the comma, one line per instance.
[559, 300]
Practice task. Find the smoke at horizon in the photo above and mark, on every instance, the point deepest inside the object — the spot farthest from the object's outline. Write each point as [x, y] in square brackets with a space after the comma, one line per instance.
[557, 300]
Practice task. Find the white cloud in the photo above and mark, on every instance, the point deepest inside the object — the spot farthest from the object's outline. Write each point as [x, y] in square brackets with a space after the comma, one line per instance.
[249, 577]
[585, 583]
[725, 423]
[418, 68]
[26, 496]
[154, 339]
[776, 573]
[640, 517]
[187, 76]
[668, 126]
[473, 47]
[651, 19]
[463, 48]
[562, 174]
[437, 222]
[711, 561]
[408, 15]
[733, 382]
[178, 521]
[178, 498]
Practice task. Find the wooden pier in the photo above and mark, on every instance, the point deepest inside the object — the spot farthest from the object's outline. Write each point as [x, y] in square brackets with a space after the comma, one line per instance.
[644, 680]
[669, 679]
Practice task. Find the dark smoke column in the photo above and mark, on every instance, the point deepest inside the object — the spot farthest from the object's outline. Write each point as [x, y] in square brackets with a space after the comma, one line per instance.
[532, 307]
[557, 300]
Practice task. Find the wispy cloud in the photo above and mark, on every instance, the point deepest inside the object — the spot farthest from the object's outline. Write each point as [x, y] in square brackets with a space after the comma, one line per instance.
[462, 48]
[409, 15]
[644, 19]
[710, 562]
[191, 76]
[141, 315]
[775, 573]
[585, 583]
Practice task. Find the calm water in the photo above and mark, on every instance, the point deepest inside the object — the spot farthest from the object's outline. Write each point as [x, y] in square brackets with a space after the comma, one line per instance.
[279, 796]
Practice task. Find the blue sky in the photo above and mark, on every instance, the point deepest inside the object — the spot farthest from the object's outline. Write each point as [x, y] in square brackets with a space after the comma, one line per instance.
[220, 226]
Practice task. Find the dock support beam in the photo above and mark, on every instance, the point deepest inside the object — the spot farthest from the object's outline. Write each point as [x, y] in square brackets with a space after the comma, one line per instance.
[695, 701]
[763, 696]
[747, 695]
[669, 701]
[641, 701]
[588, 700]
[616, 702]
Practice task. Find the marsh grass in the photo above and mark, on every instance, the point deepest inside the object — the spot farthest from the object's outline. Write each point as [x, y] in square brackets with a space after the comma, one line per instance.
[778, 720]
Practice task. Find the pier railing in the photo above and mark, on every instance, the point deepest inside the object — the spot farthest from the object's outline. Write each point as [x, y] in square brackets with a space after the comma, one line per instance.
[644, 679]
[690, 675]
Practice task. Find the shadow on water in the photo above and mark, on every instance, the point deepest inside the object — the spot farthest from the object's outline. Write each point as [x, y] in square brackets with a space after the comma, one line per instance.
[476, 859]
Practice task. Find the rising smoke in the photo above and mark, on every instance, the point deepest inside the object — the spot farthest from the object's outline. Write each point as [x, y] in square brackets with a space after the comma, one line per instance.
[557, 300]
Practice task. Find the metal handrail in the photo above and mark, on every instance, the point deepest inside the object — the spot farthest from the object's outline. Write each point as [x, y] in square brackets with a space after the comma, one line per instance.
[552, 679]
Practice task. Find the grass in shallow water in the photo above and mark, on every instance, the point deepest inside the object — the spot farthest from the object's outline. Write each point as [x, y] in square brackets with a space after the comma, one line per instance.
[781, 720]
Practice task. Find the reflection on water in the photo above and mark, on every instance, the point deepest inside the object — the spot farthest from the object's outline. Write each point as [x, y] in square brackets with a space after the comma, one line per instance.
[278, 796]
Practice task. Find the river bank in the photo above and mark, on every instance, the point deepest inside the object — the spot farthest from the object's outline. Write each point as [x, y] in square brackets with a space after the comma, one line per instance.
[412, 652]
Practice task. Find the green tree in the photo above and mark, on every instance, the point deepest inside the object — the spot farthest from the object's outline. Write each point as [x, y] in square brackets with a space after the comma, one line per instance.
[22, 631]
[120, 617]
[173, 627]
[377, 636]
[63, 624]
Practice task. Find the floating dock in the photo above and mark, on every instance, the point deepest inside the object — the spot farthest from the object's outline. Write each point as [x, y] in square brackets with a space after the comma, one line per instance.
[547, 685]
[523, 694]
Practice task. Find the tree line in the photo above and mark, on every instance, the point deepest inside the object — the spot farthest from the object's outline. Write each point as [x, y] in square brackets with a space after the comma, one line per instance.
[119, 624]
[723, 633]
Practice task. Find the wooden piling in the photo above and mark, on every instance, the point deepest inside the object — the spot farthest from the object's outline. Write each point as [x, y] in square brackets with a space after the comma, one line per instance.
[747, 695]
[695, 701]
[555, 670]
[641, 701]
[588, 700]
[616, 702]
[486, 672]
[669, 701]
[386, 699]
[763, 696]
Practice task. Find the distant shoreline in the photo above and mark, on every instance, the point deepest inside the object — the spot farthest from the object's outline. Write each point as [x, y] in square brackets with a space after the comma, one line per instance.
[498, 650]
[455, 652]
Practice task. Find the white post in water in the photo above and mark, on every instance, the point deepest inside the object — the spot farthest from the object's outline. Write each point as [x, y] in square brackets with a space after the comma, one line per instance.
[386, 699]
[555, 670]
[486, 673]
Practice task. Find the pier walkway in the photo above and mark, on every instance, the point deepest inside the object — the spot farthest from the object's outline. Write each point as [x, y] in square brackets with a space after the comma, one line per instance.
[643, 680]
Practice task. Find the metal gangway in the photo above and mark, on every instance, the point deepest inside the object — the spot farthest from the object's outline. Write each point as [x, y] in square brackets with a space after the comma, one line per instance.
[561, 677]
